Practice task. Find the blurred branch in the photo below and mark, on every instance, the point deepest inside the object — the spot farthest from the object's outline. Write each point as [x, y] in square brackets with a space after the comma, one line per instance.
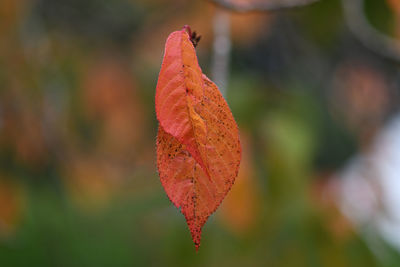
[262, 5]
[370, 37]
[221, 50]
[222, 39]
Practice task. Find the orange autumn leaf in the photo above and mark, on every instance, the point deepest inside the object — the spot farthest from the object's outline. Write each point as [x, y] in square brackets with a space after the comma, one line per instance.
[198, 147]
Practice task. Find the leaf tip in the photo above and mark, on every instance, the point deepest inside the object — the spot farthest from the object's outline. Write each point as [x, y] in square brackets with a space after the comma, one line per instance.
[195, 231]
[196, 241]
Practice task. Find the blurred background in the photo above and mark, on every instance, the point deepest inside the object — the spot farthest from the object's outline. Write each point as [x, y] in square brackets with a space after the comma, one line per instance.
[315, 92]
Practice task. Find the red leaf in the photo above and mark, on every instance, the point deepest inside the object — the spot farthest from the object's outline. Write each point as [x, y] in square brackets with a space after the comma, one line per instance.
[198, 148]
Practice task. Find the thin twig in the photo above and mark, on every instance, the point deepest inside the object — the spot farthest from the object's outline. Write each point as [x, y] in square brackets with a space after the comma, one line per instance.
[370, 37]
[261, 6]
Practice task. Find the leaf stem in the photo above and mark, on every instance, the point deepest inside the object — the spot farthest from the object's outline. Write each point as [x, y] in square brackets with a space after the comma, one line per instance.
[188, 30]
